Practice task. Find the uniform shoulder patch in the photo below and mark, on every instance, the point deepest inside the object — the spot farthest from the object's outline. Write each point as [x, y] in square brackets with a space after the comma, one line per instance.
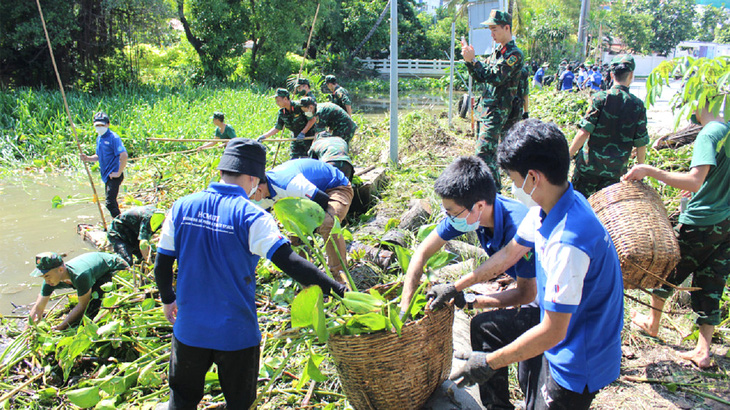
[511, 60]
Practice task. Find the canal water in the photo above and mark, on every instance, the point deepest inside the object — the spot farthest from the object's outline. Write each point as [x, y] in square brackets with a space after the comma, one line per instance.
[31, 225]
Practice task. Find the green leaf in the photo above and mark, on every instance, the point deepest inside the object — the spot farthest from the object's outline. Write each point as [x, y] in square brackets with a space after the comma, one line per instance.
[56, 202]
[394, 316]
[109, 328]
[149, 377]
[156, 220]
[672, 387]
[424, 231]
[47, 393]
[311, 370]
[299, 215]
[114, 385]
[403, 255]
[369, 322]
[107, 404]
[440, 259]
[84, 398]
[318, 320]
[392, 223]
[211, 378]
[147, 304]
[303, 305]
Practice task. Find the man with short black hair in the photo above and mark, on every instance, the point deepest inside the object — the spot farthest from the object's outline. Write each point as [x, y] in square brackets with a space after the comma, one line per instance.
[339, 95]
[222, 130]
[500, 75]
[613, 127]
[112, 158]
[218, 237]
[292, 117]
[85, 273]
[579, 283]
[330, 116]
[470, 203]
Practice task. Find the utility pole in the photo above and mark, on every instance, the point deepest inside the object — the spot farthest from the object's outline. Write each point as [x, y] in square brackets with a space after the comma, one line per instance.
[394, 81]
[585, 6]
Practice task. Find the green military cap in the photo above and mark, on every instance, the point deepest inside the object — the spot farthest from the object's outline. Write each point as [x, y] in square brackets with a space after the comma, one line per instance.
[303, 81]
[330, 79]
[44, 262]
[498, 18]
[626, 60]
[282, 92]
[219, 116]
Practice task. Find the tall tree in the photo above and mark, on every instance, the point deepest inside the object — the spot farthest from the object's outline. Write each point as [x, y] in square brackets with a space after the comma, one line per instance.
[709, 21]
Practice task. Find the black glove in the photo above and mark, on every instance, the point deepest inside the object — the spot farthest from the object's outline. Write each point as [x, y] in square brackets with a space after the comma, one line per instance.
[476, 370]
[459, 300]
[440, 294]
[525, 115]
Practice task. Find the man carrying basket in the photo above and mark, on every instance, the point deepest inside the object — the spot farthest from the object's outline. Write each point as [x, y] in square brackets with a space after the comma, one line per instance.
[704, 232]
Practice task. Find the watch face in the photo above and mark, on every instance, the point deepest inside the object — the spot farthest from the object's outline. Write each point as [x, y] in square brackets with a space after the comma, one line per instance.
[470, 297]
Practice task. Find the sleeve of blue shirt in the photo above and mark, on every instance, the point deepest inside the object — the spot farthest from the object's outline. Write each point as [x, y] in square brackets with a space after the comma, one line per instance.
[446, 231]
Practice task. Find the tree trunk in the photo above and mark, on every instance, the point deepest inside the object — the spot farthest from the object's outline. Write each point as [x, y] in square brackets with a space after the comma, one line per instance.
[194, 41]
[357, 49]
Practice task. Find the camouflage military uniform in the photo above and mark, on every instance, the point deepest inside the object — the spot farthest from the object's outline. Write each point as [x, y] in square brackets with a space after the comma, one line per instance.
[310, 94]
[128, 229]
[501, 76]
[518, 103]
[616, 121]
[334, 151]
[336, 119]
[295, 121]
[704, 228]
[341, 97]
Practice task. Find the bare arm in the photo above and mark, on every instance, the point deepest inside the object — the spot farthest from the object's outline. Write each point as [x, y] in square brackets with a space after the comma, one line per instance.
[687, 181]
[524, 293]
[578, 141]
[425, 250]
[36, 313]
[641, 155]
[349, 110]
[75, 314]
[309, 125]
[526, 103]
[270, 132]
[122, 164]
[496, 264]
[89, 158]
[548, 333]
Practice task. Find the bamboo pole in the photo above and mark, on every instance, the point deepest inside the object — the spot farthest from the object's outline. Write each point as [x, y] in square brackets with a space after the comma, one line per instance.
[306, 50]
[68, 113]
[220, 140]
[22, 386]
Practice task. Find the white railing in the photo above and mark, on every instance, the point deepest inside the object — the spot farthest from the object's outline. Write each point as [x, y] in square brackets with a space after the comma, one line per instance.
[409, 68]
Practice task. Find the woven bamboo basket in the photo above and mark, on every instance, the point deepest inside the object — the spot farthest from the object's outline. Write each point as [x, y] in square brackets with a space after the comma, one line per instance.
[635, 217]
[384, 371]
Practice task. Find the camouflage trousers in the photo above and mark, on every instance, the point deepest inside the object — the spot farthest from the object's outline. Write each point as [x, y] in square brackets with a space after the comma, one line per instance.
[489, 130]
[300, 149]
[705, 251]
[588, 184]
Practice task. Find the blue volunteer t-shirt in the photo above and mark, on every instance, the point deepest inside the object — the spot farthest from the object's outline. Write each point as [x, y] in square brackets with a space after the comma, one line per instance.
[218, 236]
[508, 215]
[108, 147]
[302, 178]
[538, 75]
[578, 272]
[567, 80]
[596, 80]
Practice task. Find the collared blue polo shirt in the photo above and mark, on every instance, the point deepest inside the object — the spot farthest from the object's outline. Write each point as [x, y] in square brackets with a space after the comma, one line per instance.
[302, 178]
[538, 75]
[218, 236]
[578, 272]
[508, 214]
[109, 147]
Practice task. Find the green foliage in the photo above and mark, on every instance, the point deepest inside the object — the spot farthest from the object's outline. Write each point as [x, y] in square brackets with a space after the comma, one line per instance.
[722, 34]
[653, 25]
[631, 25]
[706, 83]
[562, 108]
[710, 21]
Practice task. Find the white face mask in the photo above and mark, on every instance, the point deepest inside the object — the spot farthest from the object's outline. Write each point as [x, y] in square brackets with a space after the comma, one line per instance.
[522, 196]
[101, 130]
[308, 114]
[254, 188]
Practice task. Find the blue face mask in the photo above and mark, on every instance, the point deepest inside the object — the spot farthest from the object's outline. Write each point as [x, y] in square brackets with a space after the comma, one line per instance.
[461, 225]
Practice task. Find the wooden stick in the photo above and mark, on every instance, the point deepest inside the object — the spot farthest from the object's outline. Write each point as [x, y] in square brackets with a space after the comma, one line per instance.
[68, 113]
[220, 140]
[365, 171]
[276, 154]
[21, 387]
[187, 151]
[306, 50]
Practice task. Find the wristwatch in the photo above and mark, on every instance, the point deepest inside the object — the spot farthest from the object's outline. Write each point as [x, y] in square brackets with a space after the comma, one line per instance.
[470, 298]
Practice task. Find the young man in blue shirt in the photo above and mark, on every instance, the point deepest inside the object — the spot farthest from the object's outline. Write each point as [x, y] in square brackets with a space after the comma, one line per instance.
[470, 203]
[579, 283]
[112, 157]
[566, 79]
[218, 237]
[321, 183]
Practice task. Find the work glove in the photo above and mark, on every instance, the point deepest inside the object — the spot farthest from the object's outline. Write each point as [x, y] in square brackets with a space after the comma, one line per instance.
[300, 136]
[440, 294]
[261, 138]
[476, 370]
[525, 115]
